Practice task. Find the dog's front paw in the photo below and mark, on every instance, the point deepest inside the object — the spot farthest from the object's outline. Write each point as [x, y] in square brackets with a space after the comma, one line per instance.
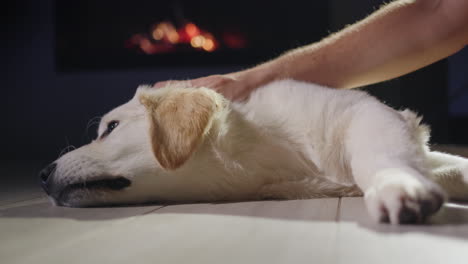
[400, 198]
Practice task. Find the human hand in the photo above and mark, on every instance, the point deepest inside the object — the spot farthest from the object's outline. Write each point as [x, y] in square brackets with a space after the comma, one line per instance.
[232, 86]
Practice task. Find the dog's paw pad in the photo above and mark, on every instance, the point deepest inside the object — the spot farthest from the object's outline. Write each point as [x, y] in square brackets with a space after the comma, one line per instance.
[403, 201]
[407, 215]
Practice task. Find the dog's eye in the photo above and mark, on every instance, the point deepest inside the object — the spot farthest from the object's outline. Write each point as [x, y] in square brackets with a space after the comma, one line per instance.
[110, 126]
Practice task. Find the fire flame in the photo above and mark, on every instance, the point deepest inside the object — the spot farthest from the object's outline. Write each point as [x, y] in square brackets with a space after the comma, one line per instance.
[165, 37]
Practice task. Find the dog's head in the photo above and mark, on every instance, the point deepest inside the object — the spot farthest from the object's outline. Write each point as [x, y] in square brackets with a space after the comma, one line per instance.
[143, 150]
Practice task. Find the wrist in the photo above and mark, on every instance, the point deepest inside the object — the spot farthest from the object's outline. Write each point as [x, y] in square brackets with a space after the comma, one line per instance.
[259, 75]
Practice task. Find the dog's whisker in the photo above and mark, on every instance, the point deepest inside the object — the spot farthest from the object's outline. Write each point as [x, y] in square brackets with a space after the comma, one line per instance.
[93, 121]
[66, 150]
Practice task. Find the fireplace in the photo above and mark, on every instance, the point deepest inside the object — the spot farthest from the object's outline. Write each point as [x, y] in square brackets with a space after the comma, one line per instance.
[100, 35]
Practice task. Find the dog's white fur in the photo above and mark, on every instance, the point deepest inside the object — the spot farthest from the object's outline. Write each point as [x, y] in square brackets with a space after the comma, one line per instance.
[289, 140]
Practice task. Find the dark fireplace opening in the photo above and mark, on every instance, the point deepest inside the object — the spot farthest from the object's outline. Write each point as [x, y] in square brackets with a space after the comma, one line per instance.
[100, 35]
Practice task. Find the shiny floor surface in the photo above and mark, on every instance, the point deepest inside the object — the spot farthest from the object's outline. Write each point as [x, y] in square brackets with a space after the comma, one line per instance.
[299, 231]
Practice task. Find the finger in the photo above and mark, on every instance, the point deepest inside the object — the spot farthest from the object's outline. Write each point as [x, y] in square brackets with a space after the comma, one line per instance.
[160, 84]
[202, 82]
[173, 83]
[240, 95]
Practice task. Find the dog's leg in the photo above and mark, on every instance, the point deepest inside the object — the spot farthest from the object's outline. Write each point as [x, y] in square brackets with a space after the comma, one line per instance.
[388, 163]
[451, 173]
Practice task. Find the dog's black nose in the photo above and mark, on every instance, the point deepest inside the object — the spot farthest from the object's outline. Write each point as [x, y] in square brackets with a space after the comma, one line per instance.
[44, 175]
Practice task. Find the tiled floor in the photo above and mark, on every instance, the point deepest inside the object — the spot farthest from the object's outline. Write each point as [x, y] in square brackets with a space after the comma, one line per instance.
[306, 231]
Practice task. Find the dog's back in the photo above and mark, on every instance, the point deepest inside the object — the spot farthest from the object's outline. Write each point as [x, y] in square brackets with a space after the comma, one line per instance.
[314, 117]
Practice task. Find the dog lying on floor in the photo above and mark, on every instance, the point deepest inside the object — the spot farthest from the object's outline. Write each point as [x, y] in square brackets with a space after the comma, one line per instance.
[289, 140]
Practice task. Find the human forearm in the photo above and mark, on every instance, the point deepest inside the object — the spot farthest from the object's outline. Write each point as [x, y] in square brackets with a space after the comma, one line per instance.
[401, 37]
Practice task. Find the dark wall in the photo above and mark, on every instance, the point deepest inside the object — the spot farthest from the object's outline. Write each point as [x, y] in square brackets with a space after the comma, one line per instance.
[46, 110]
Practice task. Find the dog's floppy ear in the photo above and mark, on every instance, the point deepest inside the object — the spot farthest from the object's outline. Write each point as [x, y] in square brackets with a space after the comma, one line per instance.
[179, 118]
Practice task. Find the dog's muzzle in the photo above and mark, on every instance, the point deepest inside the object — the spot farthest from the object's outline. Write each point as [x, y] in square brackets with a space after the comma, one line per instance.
[60, 192]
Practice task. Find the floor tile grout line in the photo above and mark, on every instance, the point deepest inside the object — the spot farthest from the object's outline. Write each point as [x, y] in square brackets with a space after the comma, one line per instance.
[154, 210]
[338, 210]
[16, 203]
[34, 195]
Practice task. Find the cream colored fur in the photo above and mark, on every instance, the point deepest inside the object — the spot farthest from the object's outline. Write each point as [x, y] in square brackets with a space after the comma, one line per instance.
[289, 140]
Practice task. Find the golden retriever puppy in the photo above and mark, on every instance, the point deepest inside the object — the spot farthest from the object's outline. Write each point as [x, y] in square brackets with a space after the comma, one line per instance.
[289, 140]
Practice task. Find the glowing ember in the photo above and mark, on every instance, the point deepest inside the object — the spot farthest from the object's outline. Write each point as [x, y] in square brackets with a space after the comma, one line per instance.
[209, 45]
[158, 34]
[197, 41]
[192, 30]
